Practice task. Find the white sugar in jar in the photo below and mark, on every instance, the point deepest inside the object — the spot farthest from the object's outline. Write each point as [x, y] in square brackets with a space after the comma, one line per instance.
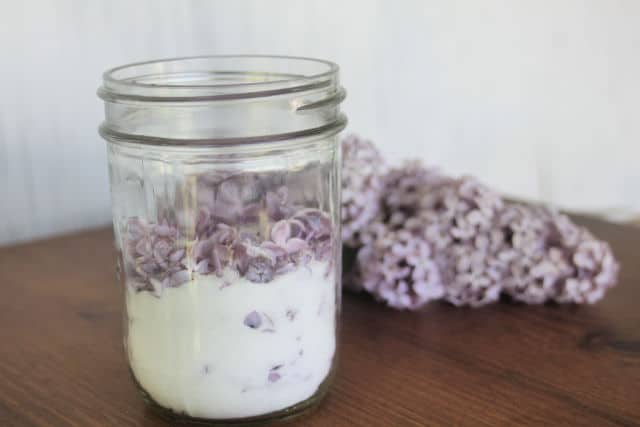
[225, 193]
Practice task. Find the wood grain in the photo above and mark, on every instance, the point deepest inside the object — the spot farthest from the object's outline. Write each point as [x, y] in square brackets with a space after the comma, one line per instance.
[62, 363]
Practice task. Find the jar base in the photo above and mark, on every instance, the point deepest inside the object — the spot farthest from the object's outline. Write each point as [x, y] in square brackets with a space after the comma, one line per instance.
[287, 414]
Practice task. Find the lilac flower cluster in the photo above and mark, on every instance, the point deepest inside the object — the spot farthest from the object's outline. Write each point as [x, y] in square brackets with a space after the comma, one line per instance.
[398, 268]
[551, 258]
[440, 237]
[362, 169]
[458, 220]
[404, 189]
[227, 198]
[294, 241]
[535, 269]
[225, 237]
[155, 255]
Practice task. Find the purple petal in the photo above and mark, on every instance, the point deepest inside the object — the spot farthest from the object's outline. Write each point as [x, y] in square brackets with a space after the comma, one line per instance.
[276, 203]
[274, 248]
[250, 212]
[143, 247]
[149, 267]
[280, 232]
[253, 320]
[229, 191]
[295, 245]
[297, 228]
[177, 255]
[202, 267]
[161, 249]
[225, 234]
[163, 230]
[137, 229]
[202, 249]
[273, 376]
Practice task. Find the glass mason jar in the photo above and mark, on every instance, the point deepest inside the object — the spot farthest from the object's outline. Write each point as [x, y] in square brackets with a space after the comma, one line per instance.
[226, 191]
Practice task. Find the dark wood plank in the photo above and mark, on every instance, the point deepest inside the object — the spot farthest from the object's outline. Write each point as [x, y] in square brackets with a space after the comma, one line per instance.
[62, 363]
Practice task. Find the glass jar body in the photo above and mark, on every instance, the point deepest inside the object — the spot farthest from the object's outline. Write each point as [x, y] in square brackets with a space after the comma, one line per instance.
[225, 194]
[231, 272]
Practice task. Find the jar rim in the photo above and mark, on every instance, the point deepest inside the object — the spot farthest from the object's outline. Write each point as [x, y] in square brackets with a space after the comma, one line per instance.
[216, 78]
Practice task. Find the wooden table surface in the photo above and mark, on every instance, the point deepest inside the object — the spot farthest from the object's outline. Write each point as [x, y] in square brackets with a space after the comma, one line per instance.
[62, 362]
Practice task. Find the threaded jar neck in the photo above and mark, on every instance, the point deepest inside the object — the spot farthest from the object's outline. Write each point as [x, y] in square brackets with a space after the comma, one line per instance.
[221, 100]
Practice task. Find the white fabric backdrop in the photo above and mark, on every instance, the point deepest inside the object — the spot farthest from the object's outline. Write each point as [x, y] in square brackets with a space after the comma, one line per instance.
[539, 98]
